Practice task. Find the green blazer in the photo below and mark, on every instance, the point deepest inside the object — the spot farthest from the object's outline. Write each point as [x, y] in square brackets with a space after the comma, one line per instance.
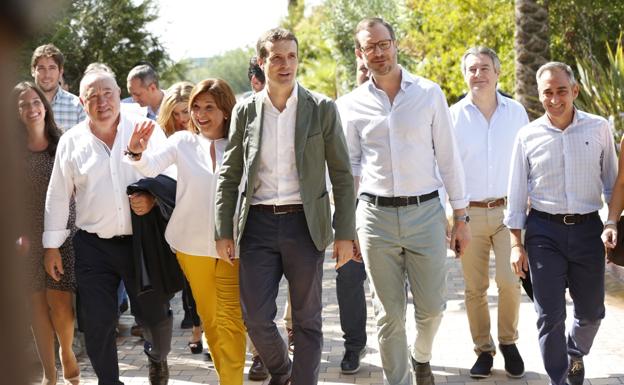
[319, 145]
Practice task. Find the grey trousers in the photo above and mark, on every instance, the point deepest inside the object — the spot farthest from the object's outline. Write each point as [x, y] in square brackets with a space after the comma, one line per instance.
[399, 244]
[275, 245]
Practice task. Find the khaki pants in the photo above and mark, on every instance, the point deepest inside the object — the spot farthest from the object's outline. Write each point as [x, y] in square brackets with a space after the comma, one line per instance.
[488, 232]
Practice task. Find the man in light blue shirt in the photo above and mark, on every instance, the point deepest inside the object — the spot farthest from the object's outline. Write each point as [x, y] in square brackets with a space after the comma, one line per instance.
[46, 65]
[485, 125]
[562, 163]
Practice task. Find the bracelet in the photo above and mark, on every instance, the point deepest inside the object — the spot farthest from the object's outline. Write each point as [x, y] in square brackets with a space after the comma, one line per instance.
[132, 155]
[517, 245]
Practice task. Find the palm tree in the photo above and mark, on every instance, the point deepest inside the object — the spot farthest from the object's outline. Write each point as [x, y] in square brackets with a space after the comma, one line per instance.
[532, 46]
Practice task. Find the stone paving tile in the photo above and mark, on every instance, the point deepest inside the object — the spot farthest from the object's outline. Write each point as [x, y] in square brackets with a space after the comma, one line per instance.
[452, 353]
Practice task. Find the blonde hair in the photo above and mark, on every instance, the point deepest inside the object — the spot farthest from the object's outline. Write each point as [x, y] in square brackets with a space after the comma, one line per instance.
[177, 93]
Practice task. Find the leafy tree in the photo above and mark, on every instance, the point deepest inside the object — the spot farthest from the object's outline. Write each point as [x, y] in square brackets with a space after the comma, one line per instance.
[438, 32]
[109, 31]
[339, 22]
[580, 29]
[230, 66]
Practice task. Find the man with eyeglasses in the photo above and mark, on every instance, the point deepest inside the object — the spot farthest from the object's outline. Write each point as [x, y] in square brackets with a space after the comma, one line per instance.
[486, 123]
[398, 129]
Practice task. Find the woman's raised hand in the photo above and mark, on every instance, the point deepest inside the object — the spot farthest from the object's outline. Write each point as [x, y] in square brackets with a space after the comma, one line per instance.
[140, 136]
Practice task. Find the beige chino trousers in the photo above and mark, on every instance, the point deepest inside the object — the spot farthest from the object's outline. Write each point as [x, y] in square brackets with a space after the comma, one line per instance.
[489, 232]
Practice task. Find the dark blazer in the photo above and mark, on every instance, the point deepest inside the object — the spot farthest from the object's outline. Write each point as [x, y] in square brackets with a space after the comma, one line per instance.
[319, 146]
[162, 272]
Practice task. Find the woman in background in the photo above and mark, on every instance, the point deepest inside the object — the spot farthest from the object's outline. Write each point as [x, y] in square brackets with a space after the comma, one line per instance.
[51, 295]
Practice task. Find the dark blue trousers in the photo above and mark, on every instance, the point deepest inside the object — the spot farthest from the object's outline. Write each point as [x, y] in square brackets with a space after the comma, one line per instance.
[562, 254]
[350, 279]
[271, 246]
[100, 266]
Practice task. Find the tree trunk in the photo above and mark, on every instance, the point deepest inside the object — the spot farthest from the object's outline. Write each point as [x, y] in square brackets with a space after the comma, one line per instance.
[532, 46]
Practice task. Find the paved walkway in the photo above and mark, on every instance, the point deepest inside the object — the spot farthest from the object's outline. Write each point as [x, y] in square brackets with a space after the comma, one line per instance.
[452, 355]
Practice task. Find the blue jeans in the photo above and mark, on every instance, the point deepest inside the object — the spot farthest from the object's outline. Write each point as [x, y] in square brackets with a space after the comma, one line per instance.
[560, 254]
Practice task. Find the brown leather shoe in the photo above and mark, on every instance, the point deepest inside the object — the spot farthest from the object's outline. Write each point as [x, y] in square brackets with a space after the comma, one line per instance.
[257, 371]
[424, 376]
[158, 372]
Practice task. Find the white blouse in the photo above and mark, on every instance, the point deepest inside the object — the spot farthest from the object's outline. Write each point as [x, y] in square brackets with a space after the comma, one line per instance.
[191, 227]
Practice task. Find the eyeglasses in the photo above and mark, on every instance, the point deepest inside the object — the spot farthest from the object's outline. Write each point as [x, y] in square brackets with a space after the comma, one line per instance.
[383, 45]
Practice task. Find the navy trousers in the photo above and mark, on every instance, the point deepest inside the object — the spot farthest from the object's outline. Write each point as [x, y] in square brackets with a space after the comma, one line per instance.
[350, 279]
[100, 266]
[271, 246]
[560, 254]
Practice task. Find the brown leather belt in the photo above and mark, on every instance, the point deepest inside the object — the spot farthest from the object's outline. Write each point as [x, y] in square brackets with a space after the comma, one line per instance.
[278, 210]
[489, 204]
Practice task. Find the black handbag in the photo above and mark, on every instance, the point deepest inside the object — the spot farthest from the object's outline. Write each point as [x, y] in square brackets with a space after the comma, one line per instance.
[616, 255]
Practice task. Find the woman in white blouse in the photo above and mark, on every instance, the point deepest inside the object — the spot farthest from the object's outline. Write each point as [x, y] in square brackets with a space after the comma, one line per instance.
[198, 153]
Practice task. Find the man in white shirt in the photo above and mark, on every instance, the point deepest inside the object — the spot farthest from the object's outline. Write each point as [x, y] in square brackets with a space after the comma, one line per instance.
[485, 125]
[562, 163]
[282, 141]
[47, 70]
[145, 90]
[398, 129]
[89, 167]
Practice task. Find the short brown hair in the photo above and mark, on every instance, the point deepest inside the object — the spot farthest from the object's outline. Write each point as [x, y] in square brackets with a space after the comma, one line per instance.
[370, 22]
[47, 50]
[223, 96]
[273, 35]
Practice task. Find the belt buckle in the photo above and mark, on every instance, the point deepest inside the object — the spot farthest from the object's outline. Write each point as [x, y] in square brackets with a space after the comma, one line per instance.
[276, 212]
[490, 204]
[397, 201]
[565, 219]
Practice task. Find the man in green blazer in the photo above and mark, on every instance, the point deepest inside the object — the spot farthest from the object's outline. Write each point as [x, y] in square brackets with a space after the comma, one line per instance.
[283, 140]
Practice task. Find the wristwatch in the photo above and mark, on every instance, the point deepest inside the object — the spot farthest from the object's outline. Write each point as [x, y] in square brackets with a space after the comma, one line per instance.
[462, 218]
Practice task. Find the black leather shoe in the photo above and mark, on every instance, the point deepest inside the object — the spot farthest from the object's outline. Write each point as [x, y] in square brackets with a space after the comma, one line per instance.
[187, 321]
[514, 365]
[291, 339]
[424, 376]
[482, 368]
[257, 371]
[576, 371]
[350, 363]
[274, 382]
[158, 372]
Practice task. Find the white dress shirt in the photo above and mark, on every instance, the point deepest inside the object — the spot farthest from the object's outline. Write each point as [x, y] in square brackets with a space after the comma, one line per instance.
[191, 226]
[561, 172]
[395, 148]
[485, 147]
[278, 180]
[96, 174]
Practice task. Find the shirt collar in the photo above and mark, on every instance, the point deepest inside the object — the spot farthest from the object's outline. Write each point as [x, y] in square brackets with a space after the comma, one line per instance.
[578, 116]
[292, 99]
[58, 95]
[407, 79]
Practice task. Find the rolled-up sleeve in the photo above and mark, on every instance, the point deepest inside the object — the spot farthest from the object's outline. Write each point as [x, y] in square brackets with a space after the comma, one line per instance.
[517, 187]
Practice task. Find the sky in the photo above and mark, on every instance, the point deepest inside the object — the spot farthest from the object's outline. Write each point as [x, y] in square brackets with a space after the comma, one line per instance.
[203, 28]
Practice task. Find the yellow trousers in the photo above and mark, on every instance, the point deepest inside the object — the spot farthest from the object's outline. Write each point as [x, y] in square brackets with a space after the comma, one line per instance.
[214, 284]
